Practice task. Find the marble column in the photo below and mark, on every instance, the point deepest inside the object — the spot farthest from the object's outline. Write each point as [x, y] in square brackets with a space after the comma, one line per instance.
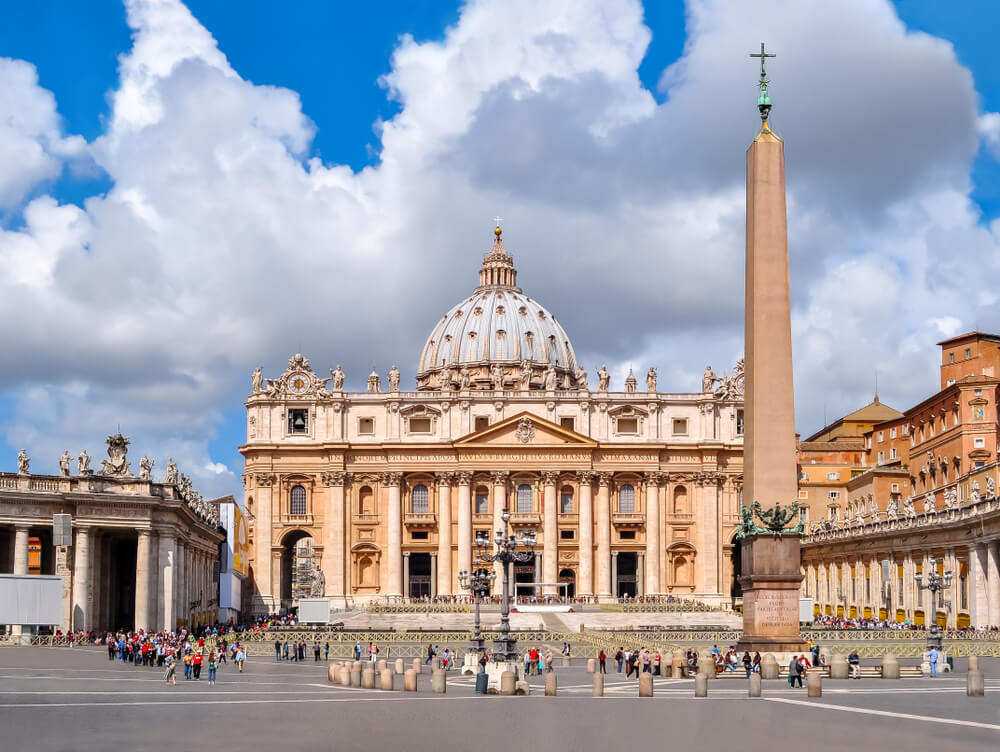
[550, 534]
[335, 534]
[537, 589]
[499, 504]
[81, 579]
[640, 569]
[652, 534]
[180, 612]
[166, 617]
[464, 522]
[264, 558]
[585, 585]
[142, 616]
[908, 584]
[993, 582]
[443, 580]
[394, 533]
[434, 573]
[21, 549]
[406, 574]
[614, 574]
[979, 596]
[605, 578]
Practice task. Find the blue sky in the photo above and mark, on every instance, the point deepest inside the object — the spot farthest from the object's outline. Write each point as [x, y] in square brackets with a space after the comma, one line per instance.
[332, 56]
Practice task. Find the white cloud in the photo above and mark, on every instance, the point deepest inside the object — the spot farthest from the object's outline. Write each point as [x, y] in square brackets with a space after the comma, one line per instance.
[988, 126]
[220, 245]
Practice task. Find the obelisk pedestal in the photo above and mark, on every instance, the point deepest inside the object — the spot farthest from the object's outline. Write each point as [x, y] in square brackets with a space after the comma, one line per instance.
[770, 594]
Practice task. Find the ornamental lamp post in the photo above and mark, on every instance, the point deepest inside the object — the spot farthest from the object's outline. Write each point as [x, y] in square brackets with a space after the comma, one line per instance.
[478, 582]
[505, 646]
[935, 583]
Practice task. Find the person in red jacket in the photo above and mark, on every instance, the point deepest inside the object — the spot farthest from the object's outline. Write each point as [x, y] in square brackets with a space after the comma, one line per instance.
[196, 661]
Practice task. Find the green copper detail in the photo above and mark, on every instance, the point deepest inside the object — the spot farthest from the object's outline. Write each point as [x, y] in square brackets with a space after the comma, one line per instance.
[763, 101]
[775, 520]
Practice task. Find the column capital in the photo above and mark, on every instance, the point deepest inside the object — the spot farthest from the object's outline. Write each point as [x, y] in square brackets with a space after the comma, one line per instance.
[464, 478]
[434, 554]
[500, 477]
[390, 478]
[604, 479]
[406, 554]
[550, 477]
[614, 554]
[654, 478]
[585, 477]
[446, 478]
[336, 478]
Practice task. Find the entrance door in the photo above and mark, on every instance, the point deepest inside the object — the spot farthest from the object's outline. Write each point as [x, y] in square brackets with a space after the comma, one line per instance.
[628, 563]
[567, 583]
[524, 575]
[420, 575]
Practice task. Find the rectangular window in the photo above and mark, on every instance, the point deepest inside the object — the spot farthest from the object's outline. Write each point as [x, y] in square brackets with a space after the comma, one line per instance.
[894, 488]
[680, 426]
[627, 425]
[892, 433]
[482, 503]
[906, 430]
[481, 534]
[568, 423]
[626, 500]
[951, 382]
[803, 494]
[298, 421]
[420, 425]
[968, 354]
[739, 422]
[481, 422]
[979, 465]
[892, 453]
[627, 535]
[833, 476]
[418, 535]
[566, 535]
[366, 426]
[881, 457]
[881, 436]
[804, 514]
[979, 443]
[833, 494]
[566, 503]
[803, 476]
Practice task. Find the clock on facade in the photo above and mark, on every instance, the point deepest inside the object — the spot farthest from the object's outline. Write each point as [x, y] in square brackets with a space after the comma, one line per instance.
[298, 383]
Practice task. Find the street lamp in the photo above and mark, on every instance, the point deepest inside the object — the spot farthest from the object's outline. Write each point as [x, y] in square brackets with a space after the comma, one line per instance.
[935, 583]
[505, 647]
[478, 582]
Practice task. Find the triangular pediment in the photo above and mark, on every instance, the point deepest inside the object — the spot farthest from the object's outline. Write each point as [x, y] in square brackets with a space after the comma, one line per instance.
[523, 430]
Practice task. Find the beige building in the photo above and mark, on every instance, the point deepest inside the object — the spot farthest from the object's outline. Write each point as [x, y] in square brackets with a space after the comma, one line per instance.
[630, 492]
[141, 553]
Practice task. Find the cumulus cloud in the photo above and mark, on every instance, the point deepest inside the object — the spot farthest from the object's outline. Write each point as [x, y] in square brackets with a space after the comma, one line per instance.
[221, 244]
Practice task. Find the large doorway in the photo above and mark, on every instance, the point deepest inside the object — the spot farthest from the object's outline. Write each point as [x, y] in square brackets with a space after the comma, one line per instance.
[524, 578]
[567, 583]
[420, 576]
[296, 567]
[736, 561]
[114, 565]
[625, 582]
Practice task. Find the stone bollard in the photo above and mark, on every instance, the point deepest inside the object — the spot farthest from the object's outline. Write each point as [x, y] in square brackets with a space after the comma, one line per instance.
[838, 667]
[706, 663]
[890, 666]
[344, 676]
[381, 665]
[399, 666]
[332, 674]
[975, 682]
[439, 681]
[368, 678]
[565, 660]
[701, 685]
[768, 666]
[591, 665]
[814, 684]
[754, 690]
[385, 680]
[417, 665]
[436, 664]
[355, 677]
[410, 681]
[507, 679]
[522, 688]
[598, 685]
[677, 665]
[645, 684]
[550, 684]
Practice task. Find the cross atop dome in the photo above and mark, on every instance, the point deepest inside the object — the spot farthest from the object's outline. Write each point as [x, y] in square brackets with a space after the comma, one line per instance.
[498, 265]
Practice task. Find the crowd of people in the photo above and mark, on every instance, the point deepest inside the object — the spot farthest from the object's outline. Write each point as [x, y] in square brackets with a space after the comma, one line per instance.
[842, 622]
[166, 650]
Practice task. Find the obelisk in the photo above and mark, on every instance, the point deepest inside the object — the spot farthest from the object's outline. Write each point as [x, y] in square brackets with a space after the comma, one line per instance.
[770, 563]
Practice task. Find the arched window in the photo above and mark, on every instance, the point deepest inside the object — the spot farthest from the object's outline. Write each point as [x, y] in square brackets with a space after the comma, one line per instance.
[680, 500]
[482, 500]
[626, 499]
[366, 501]
[566, 500]
[524, 499]
[297, 500]
[420, 500]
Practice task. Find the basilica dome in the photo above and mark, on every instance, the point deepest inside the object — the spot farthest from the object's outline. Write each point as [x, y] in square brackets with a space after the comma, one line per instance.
[497, 336]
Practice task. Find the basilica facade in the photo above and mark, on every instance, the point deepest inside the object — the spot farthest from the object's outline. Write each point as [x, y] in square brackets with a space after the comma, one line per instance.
[629, 493]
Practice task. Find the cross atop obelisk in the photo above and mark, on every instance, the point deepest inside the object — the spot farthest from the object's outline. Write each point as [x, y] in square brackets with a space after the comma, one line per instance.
[763, 101]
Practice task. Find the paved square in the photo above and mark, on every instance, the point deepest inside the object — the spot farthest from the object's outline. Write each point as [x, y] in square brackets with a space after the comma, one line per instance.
[62, 699]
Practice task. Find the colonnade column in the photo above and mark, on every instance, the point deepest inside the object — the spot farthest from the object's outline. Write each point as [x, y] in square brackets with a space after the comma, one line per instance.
[465, 522]
[980, 605]
[334, 536]
[585, 585]
[167, 556]
[499, 503]
[614, 574]
[652, 534]
[640, 566]
[394, 541]
[993, 582]
[142, 620]
[443, 583]
[21, 549]
[605, 578]
[406, 574]
[182, 600]
[81, 578]
[434, 573]
[550, 534]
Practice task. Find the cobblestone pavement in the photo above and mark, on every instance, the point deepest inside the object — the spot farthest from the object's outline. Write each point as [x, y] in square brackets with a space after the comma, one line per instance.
[62, 699]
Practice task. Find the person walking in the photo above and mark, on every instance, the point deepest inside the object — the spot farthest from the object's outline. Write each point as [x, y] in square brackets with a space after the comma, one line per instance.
[241, 656]
[794, 672]
[602, 658]
[854, 660]
[357, 651]
[430, 653]
[196, 661]
[326, 652]
[211, 668]
[932, 658]
[619, 657]
[548, 661]
[748, 663]
[170, 675]
[277, 650]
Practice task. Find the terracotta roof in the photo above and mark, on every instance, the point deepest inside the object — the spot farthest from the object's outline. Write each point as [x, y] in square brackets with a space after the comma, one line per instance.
[981, 335]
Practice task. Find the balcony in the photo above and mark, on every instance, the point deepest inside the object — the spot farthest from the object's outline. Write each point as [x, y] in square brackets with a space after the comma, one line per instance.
[419, 519]
[365, 520]
[628, 519]
[525, 519]
[295, 520]
[681, 519]
[482, 519]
